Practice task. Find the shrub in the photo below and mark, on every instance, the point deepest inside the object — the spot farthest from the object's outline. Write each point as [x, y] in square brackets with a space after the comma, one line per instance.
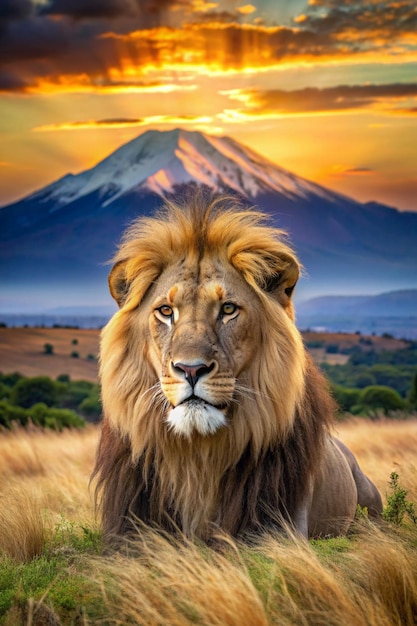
[365, 379]
[332, 348]
[77, 391]
[397, 504]
[48, 348]
[10, 413]
[5, 391]
[10, 379]
[30, 391]
[380, 397]
[345, 397]
[396, 377]
[57, 419]
[315, 343]
[412, 396]
[37, 413]
[41, 415]
[91, 407]
[63, 378]
[75, 354]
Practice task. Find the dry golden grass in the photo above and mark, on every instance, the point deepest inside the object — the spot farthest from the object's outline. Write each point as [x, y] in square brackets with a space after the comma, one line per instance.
[44, 476]
[22, 350]
[369, 579]
[383, 447]
[169, 584]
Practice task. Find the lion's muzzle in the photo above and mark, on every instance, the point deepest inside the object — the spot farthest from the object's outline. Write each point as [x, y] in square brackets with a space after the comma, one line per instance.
[198, 397]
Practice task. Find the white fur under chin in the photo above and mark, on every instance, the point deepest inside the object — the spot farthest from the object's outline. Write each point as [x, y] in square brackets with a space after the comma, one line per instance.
[195, 415]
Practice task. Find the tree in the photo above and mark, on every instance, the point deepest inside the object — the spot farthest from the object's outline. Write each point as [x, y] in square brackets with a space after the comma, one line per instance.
[91, 407]
[345, 397]
[48, 348]
[30, 391]
[381, 397]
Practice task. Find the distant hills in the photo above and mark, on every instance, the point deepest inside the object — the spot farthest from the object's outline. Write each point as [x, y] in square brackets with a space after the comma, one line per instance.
[394, 313]
[54, 243]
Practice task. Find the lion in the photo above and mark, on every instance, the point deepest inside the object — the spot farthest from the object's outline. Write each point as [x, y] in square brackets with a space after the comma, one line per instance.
[215, 417]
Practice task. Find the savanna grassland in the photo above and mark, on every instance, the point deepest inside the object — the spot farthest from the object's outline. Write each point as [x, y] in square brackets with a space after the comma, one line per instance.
[54, 569]
[73, 352]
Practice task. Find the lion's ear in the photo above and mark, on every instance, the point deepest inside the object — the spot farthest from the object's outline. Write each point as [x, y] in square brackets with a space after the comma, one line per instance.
[282, 276]
[118, 283]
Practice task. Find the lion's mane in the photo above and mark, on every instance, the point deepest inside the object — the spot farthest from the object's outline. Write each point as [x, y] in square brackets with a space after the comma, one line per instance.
[257, 469]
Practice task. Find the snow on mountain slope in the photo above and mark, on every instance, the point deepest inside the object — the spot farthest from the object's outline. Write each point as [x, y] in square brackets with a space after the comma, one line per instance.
[157, 161]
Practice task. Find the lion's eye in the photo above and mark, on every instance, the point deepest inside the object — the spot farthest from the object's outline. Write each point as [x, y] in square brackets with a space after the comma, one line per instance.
[165, 310]
[228, 308]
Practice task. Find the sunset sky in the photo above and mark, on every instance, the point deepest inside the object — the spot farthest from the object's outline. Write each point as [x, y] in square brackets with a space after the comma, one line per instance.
[324, 88]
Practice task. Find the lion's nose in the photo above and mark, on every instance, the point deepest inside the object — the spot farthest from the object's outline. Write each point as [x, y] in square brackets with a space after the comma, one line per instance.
[193, 372]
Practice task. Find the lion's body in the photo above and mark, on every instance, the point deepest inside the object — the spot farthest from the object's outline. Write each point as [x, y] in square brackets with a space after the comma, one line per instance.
[214, 414]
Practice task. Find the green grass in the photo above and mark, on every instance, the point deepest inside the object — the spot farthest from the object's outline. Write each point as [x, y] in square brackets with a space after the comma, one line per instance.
[64, 581]
[61, 577]
[76, 582]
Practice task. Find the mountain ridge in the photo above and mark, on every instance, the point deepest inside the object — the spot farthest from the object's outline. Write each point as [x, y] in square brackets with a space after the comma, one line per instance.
[393, 312]
[57, 240]
[157, 161]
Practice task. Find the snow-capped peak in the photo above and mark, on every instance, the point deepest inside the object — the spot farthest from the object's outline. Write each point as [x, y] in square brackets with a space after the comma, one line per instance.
[157, 161]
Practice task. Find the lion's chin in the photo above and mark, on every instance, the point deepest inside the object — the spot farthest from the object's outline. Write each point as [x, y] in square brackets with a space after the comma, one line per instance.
[195, 415]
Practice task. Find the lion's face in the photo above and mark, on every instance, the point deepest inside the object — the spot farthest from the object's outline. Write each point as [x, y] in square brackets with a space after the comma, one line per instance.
[204, 325]
[204, 345]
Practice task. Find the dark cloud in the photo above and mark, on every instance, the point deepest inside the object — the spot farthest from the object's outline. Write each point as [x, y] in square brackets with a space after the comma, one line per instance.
[33, 40]
[216, 17]
[359, 21]
[358, 170]
[160, 6]
[96, 37]
[10, 82]
[90, 9]
[15, 9]
[343, 97]
[113, 121]
[110, 9]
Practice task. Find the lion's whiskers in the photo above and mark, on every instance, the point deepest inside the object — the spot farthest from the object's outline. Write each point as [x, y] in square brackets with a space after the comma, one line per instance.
[247, 392]
[157, 396]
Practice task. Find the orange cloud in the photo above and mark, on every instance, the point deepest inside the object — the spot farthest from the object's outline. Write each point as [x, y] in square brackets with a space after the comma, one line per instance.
[314, 101]
[124, 122]
[246, 9]
[341, 170]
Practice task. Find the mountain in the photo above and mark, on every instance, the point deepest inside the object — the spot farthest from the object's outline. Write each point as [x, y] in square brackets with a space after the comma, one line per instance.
[401, 303]
[394, 312]
[54, 243]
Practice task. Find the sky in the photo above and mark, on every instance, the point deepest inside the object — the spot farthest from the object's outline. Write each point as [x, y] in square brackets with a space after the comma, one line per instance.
[324, 88]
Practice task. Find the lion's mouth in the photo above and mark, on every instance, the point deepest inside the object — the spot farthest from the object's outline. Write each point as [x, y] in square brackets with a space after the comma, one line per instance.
[194, 400]
[195, 415]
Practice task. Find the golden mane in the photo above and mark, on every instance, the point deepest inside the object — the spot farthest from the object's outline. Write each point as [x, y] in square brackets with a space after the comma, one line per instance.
[242, 237]
[259, 467]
